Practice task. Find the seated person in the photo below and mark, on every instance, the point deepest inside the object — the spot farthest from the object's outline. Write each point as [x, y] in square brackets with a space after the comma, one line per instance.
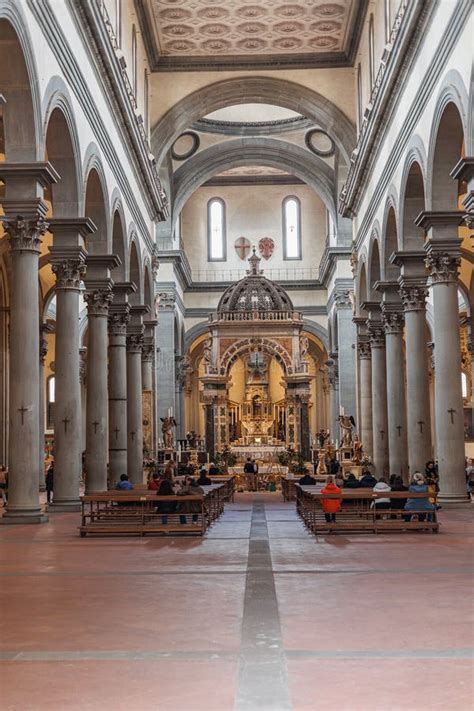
[213, 469]
[398, 485]
[419, 486]
[382, 487]
[165, 508]
[351, 482]
[190, 488]
[203, 478]
[124, 484]
[367, 481]
[307, 479]
[331, 506]
[154, 483]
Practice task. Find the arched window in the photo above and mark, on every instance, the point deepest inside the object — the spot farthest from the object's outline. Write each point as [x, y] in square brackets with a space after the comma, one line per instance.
[388, 25]
[134, 62]
[145, 99]
[291, 228]
[371, 52]
[216, 230]
[118, 22]
[359, 95]
[50, 400]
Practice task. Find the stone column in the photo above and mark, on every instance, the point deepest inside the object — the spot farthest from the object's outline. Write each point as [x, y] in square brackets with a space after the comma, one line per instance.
[393, 322]
[24, 226]
[379, 398]
[148, 352]
[346, 338]
[333, 373]
[118, 319]
[443, 261]
[134, 395]
[68, 263]
[418, 390]
[165, 369]
[98, 297]
[366, 424]
[45, 328]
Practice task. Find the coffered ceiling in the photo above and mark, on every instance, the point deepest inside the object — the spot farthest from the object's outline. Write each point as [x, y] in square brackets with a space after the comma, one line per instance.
[197, 35]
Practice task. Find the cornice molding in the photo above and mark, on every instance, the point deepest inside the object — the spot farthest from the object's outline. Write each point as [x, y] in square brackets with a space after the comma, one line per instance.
[329, 260]
[251, 128]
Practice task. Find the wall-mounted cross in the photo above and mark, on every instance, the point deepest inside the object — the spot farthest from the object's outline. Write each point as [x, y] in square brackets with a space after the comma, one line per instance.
[420, 423]
[451, 412]
[116, 430]
[133, 433]
[382, 433]
[22, 411]
[95, 425]
[65, 422]
[399, 429]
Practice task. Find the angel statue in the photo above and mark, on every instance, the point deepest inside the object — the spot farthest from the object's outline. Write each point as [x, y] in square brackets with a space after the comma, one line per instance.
[357, 459]
[207, 352]
[168, 423]
[346, 423]
[304, 347]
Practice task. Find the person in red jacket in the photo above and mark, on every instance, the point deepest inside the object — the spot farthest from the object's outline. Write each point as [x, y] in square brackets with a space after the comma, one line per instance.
[331, 506]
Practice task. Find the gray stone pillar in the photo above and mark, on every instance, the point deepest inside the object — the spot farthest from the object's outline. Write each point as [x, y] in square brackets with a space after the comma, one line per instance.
[148, 353]
[134, 408]
[98, 298]
[443, 261]
[135, 340]
[379, 398]
[346, 338]
[165, 369]
[418, 390]
[25, 226]
[396, 413]
[365, 369]
[118, 320]
[68, 263]
[333, 373]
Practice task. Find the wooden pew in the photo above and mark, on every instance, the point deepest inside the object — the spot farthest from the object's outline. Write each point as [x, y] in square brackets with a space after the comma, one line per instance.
[135, 512]
[359, 512]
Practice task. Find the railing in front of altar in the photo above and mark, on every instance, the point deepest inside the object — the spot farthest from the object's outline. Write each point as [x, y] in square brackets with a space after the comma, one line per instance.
[256, 316]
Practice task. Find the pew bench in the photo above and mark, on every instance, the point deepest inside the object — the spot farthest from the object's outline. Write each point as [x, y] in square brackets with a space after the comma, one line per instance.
[135, 512]
[359, 512]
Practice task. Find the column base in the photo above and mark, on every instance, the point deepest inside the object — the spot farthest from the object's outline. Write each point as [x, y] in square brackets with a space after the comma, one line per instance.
[454, 499]
[64, 507]
[23, 517]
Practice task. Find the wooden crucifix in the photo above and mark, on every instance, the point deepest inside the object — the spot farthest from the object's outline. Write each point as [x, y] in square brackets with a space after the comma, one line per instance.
[420, 424]
[452, 412]
[22, 411]
[95, 425]
[399, 430]
[65, 422]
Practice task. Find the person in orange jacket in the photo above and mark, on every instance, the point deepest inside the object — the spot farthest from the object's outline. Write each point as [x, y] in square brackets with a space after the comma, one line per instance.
[331, 506]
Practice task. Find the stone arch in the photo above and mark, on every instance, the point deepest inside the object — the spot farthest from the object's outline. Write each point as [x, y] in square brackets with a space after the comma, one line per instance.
[96, 203]
[255, 90]
[118, 245]
[412, 198]
[261, 344]
[448, 134]
[136, 270]
[19, 84]
[390, 238]
[315, 329]
[195, 332]
[374, 271]
[250, 151]
[62, 147]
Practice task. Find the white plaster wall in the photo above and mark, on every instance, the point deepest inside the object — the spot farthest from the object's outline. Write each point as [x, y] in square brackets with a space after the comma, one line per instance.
[255, 212]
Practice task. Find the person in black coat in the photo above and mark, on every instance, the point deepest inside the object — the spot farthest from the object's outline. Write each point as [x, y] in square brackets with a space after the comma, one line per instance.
[204, 479]
[367, 481]
[165, 508]
[398, 485]
[49, 481]
[307, 479]
[351, 482]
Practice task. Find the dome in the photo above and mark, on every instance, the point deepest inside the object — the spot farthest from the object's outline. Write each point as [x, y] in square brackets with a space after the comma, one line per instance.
[255, 292]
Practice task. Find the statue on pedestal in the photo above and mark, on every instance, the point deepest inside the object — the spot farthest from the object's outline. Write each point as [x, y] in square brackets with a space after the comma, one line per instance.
[322, 468]
[168, 423]
[357, 458]
[346, 423]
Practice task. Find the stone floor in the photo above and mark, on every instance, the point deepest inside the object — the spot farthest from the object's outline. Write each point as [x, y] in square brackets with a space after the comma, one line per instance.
[259, 615]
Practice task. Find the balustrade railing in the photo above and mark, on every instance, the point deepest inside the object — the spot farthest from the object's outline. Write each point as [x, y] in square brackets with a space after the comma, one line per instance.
[256, 316]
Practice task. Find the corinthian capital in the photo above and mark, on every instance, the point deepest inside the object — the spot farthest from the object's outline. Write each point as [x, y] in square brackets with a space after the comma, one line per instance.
[443, 267]
[135, 342]
[363, 348]
[69, 272]
[25, 234]
[393, 322]
[98, 301]
[118, 323]
[414, 297]
[376, 335]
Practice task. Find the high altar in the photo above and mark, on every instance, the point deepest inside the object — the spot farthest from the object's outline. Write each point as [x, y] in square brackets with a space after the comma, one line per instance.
[256, 386]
